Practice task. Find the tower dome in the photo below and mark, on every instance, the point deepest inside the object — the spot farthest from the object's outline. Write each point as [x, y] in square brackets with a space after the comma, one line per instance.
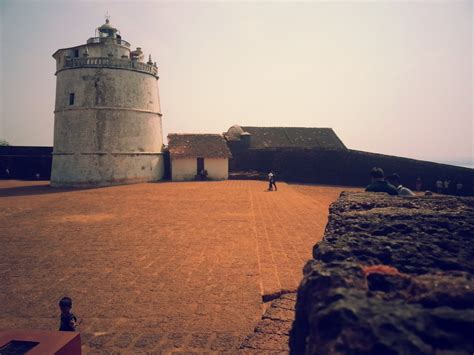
[234, 133]
[107, 118]
[107, 30]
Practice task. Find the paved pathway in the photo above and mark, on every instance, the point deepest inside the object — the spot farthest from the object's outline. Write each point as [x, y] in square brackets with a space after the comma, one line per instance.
[154, 267]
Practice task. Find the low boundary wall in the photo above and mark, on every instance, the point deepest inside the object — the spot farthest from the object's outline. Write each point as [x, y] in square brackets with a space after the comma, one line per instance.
[348, 168]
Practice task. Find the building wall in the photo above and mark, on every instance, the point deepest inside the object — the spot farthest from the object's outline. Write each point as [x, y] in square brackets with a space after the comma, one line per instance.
[112, 134]
[186, 169]
[106, 169]
[217, 169]
[183, 169]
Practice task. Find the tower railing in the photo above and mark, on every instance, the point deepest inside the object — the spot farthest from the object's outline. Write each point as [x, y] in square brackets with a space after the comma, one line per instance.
[110, 63]
[103, 39]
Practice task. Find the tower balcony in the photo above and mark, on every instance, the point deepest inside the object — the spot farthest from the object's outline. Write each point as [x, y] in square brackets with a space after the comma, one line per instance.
[114, 63]
[118, 41]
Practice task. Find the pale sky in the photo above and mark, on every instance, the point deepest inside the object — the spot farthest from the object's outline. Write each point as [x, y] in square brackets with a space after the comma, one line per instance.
[392, 77]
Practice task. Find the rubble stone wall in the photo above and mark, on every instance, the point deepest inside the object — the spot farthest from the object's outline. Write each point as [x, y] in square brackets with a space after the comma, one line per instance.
[392, 275]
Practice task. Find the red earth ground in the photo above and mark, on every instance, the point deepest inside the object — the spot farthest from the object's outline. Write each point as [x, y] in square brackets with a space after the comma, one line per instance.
[155, 267]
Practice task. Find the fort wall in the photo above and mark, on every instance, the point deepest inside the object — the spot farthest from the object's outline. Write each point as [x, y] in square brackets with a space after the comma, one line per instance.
[25, 162]
[392, 275]
[348, 168]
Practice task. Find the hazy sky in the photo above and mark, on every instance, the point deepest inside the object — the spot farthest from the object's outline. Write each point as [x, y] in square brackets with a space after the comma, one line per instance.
[392, 77]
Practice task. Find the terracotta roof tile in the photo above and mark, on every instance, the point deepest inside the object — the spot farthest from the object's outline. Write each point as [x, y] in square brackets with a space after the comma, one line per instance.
[287, 137]
[198, 145]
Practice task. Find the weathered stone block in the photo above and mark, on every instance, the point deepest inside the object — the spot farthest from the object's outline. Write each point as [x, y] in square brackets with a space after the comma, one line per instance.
[391, 276]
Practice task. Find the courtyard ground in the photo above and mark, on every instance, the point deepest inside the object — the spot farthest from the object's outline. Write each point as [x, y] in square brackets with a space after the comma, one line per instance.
[158, 266]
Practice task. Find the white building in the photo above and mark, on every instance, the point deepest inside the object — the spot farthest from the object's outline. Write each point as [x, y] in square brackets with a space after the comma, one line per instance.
[198, 157]
[107, 118]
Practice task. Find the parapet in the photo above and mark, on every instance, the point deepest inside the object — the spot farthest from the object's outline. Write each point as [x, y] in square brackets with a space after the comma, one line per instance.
[111, 63]
[106, 49]
[392, 275]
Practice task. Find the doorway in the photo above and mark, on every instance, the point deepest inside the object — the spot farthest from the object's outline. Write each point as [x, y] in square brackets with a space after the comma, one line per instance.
[200, 165]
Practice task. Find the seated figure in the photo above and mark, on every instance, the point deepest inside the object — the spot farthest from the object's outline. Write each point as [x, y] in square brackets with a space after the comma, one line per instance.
[394, 179]
[379, 184]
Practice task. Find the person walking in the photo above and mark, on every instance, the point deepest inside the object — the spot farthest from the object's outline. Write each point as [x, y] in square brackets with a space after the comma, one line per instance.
[271, 181]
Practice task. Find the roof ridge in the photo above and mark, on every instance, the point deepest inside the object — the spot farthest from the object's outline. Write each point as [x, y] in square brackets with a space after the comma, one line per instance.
[195, 134]
[191, 145]
[287, 127]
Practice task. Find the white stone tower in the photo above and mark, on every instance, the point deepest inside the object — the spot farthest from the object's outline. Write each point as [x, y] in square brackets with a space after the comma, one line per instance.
[107, 118]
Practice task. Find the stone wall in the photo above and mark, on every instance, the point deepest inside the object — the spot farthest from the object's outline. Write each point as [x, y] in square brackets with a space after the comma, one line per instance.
[25, 162]
[392, 275]
[348, 168]
[112, 131]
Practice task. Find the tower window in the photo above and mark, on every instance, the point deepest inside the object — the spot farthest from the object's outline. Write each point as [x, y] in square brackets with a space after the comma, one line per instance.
[76, 53]
[71, 99]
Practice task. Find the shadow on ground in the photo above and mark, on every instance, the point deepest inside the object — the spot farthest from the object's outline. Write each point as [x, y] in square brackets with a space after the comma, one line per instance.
[32, 190]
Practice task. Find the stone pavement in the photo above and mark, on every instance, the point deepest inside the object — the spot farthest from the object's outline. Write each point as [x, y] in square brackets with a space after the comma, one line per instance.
[272, 333]
[163, 267]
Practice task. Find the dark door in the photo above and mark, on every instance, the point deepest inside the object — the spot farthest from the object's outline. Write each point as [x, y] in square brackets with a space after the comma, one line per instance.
[200, 165]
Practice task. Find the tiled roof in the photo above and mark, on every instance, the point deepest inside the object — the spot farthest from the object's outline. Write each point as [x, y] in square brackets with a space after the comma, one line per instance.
[288, 137]
[198, 146]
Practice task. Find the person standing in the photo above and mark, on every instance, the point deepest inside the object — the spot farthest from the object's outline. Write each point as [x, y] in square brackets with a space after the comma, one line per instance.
[439, 186]
[271, 181]
[68, 321]
[418, 184]
[446, 186]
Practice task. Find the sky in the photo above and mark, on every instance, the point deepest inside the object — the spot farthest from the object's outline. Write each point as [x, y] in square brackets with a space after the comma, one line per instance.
[392, 77]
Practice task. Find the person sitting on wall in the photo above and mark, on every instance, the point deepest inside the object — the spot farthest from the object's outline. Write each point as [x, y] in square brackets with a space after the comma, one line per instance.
[378, 183]
[394, 179]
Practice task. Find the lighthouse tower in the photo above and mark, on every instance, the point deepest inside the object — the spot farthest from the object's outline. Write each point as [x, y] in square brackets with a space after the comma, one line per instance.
[107, 118]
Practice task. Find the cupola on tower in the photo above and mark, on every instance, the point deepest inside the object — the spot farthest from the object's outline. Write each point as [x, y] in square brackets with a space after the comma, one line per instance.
[107, 118]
